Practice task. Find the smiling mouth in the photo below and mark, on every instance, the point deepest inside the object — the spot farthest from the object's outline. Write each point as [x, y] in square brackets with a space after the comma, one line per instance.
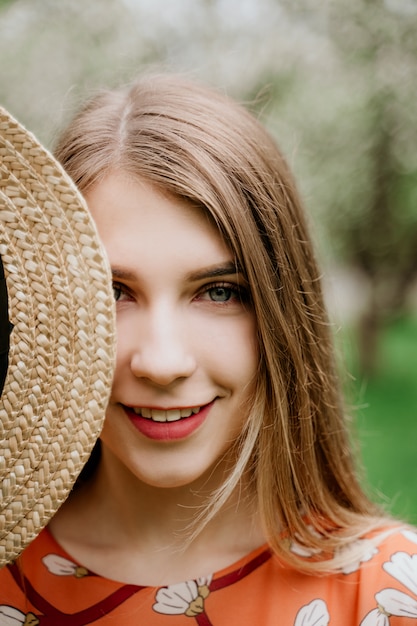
[169, 415]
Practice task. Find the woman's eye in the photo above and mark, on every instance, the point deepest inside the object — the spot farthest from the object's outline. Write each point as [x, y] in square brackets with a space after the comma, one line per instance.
[118, 291]
[223, 293]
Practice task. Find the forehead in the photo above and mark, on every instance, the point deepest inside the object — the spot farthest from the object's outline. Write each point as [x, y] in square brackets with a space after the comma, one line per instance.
[136, 221]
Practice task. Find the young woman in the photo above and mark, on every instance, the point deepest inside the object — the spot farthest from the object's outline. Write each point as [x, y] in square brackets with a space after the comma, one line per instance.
[222, 489]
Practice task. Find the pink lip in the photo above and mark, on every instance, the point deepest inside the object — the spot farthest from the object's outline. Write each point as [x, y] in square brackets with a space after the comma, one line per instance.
[167, 431]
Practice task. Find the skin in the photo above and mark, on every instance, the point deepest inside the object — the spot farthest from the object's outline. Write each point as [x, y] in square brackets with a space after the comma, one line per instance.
[186, 340]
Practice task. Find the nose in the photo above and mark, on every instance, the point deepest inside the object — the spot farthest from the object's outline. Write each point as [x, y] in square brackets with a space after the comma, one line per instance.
[163, 353]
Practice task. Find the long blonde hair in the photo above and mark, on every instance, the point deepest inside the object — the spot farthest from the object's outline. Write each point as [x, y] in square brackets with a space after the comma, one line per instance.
[199, 145]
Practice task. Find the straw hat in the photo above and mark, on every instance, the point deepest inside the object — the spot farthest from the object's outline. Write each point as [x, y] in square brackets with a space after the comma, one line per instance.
[58, 297]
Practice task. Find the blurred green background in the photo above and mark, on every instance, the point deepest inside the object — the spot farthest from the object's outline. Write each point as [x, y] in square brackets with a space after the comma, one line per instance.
[336, 83]
[384, 407]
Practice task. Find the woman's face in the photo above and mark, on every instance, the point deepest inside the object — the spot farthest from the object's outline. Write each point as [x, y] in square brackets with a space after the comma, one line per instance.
[186, 353]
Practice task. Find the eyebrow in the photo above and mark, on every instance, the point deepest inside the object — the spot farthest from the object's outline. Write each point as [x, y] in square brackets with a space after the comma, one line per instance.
[122, 274]
[212, 271]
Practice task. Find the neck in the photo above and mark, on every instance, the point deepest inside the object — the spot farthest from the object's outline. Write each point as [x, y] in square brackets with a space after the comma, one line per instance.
[121, 515]
[166, 516]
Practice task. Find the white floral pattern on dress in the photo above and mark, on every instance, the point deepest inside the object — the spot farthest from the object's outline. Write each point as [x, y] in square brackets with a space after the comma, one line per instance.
[376, 618]
[61, 566]
[411, 535]
[303, 551]
[362, 549]
[313, 614]
[402, 567]
[183, 598]
[9, 616]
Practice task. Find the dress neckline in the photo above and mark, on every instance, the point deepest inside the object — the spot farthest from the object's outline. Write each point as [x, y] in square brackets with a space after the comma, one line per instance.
[243, 566]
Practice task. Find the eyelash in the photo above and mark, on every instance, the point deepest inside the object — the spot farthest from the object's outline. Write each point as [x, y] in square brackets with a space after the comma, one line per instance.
[240, 293]
[121, 289]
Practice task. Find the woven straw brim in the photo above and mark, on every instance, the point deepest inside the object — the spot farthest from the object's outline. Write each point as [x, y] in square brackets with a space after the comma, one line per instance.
[62, 352]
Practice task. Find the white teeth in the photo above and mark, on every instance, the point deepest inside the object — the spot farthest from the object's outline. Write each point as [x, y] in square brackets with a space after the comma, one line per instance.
[172, 415]
[159, 416]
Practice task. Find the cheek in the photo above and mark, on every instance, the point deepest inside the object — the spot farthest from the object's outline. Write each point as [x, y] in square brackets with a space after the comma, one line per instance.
[235, 351]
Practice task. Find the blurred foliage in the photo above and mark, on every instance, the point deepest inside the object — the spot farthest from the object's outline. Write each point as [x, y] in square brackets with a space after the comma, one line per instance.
[359, 140]
[335, 81]
[386, 411]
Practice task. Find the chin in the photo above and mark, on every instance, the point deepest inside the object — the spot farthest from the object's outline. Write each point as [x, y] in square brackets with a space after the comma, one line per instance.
[171, 481]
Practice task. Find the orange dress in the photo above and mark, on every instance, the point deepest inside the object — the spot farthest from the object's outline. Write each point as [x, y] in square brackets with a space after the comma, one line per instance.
[48, 588]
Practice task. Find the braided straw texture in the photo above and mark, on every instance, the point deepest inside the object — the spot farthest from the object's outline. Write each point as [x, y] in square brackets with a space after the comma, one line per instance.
[62, 352]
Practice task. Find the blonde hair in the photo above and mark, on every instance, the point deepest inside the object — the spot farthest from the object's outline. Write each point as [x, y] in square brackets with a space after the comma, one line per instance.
[201, 146]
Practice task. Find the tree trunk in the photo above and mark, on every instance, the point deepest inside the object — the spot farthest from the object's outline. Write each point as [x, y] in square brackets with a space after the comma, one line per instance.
[369, 331]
